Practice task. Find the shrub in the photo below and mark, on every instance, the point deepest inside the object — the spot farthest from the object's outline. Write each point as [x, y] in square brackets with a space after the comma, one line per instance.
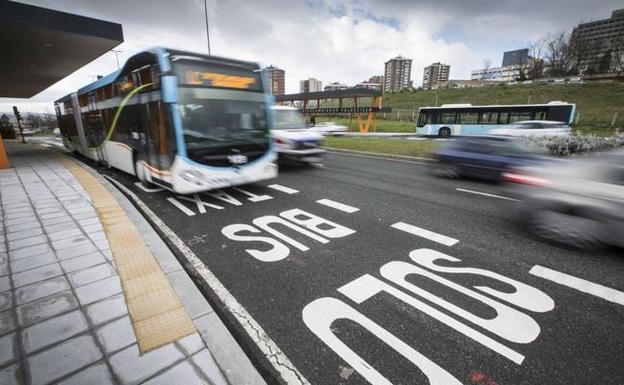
[576, 144]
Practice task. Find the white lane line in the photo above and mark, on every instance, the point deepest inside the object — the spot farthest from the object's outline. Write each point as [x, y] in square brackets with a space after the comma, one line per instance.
[286, 369]
[338, 205]
[430, 235]
[179, 205]
[485, 194]
[283, 189]
[579, 284]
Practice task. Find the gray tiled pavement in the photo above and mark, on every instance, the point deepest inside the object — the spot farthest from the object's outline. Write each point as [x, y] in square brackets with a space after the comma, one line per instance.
[63, 317]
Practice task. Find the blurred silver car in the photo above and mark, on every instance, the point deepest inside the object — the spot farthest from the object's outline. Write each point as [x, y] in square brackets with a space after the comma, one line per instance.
[578, 203]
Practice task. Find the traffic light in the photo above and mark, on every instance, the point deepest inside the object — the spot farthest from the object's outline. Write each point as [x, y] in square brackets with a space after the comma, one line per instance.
[18, 116]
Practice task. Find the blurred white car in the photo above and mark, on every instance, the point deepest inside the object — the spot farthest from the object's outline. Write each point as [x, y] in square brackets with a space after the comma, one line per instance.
[292, 139]
[534, 128]
[328, 128]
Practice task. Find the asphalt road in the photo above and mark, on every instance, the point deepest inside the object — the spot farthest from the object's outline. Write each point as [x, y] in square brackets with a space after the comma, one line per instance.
[368, 296]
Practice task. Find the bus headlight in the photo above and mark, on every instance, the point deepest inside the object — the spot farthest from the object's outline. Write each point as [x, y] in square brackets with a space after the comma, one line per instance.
[192, 176]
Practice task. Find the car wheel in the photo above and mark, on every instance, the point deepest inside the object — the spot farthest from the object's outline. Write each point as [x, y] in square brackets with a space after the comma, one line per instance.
[444, 132]
[446, 170]
[572, 230]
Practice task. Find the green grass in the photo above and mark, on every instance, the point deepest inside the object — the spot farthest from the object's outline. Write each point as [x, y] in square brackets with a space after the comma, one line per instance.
[597, 102]
[420, 148]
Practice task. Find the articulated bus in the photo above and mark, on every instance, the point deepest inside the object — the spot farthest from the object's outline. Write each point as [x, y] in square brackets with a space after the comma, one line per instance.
[179, 120]
[466, 119]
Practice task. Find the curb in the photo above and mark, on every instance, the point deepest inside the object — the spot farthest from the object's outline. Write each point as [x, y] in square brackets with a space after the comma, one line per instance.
[234, 363]
[377, 154]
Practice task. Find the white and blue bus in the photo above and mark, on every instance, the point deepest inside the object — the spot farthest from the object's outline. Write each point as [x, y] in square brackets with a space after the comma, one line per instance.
[179, 120]
[466, 119]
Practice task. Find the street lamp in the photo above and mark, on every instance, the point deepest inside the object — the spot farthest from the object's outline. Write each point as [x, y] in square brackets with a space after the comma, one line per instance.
[116, 55]
[207, 32]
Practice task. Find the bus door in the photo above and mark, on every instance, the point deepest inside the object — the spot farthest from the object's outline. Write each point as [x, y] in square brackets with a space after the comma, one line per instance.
[159, 134]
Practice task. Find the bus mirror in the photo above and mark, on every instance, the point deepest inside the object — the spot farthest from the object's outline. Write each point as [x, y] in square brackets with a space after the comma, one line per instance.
[169, 85]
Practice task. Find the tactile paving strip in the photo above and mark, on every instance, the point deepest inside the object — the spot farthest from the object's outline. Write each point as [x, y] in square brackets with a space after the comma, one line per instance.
[157, 314]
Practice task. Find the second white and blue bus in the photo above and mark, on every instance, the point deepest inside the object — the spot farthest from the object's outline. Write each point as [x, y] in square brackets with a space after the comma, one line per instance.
[466, 119]
[183, 121]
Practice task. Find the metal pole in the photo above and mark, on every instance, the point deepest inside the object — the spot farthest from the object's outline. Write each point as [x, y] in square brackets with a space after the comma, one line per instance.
[207, 32]
[116, 56]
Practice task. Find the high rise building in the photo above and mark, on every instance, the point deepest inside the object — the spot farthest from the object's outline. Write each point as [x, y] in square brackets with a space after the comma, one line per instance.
[373, 83]
[517, 57]
[397, 75]
[310, 85]
[596, 42]
[378, 79]
[435, 74]
[275, 79]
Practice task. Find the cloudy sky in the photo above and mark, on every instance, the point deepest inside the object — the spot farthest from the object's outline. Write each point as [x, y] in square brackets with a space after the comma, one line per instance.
[339, 40]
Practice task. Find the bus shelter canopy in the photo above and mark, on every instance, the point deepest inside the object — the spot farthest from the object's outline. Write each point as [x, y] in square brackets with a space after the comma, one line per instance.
[42, 46]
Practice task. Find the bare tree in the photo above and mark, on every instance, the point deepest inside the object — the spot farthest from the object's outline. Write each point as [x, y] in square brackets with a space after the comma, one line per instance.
[558, 54]
[534, 69]
[487, 64]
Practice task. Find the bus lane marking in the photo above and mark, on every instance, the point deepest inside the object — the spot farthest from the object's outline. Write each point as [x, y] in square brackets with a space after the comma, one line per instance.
[338, 206]
[579, 284]
[424, 233]
[283, 189]
[179, 205]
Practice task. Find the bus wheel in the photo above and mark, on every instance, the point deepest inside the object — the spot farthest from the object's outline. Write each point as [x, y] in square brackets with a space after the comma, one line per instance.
[139, 171]
[444, 132]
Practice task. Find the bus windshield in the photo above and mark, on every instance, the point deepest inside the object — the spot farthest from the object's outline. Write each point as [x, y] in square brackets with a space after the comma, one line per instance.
[288, 120]
[215, 118]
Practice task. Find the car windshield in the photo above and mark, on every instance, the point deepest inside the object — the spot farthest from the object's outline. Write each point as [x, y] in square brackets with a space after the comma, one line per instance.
[288, 120]
[213, 118]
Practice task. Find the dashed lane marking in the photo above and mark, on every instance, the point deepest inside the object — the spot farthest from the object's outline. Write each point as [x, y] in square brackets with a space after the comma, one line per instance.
[338, 205]
[579, 284]
[485, 194]
[424, 233]
[283, 189]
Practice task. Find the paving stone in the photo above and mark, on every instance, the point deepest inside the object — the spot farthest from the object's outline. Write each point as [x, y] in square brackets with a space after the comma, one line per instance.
[37, 274]
[70, 242]
[3, 257]
[26, 215]
[93, 228]
[40, 289]
[10, 375]
[194, 302]
[23, 264]
[5, 284]
[80, 263]
[60, 227]
[76, 251]
[24, 234]
[69, 233]
[8, 349]
[98, 290]
[27, 242]
[191, 344]
[29, 251]
[22, 226]
[132, 368]
[53, 330]
[209, 368]
[85, 215]
[91, 274]
[4, 269]
[76, 353]
[106, 310]
[116, 335]
[6, 300]
[53, 215]
[7, 322]
[56, 221]
[98, 374]
[182, 373]
[45, 308]
[88, 221]
[11, 223]
[102, 244]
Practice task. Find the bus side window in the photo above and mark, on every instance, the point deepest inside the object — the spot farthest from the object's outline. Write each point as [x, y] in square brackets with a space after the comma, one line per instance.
[448, 118]
[503, 118]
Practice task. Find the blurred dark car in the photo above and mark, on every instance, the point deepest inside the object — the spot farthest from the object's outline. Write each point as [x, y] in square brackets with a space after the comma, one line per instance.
[578, 203]
[483, 157]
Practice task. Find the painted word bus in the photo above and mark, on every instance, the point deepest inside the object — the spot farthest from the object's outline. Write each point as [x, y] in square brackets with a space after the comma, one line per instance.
[466, 119]
[179, 120]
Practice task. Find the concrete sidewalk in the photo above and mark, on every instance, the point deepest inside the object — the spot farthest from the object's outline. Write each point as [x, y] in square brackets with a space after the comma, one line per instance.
[77, 303]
